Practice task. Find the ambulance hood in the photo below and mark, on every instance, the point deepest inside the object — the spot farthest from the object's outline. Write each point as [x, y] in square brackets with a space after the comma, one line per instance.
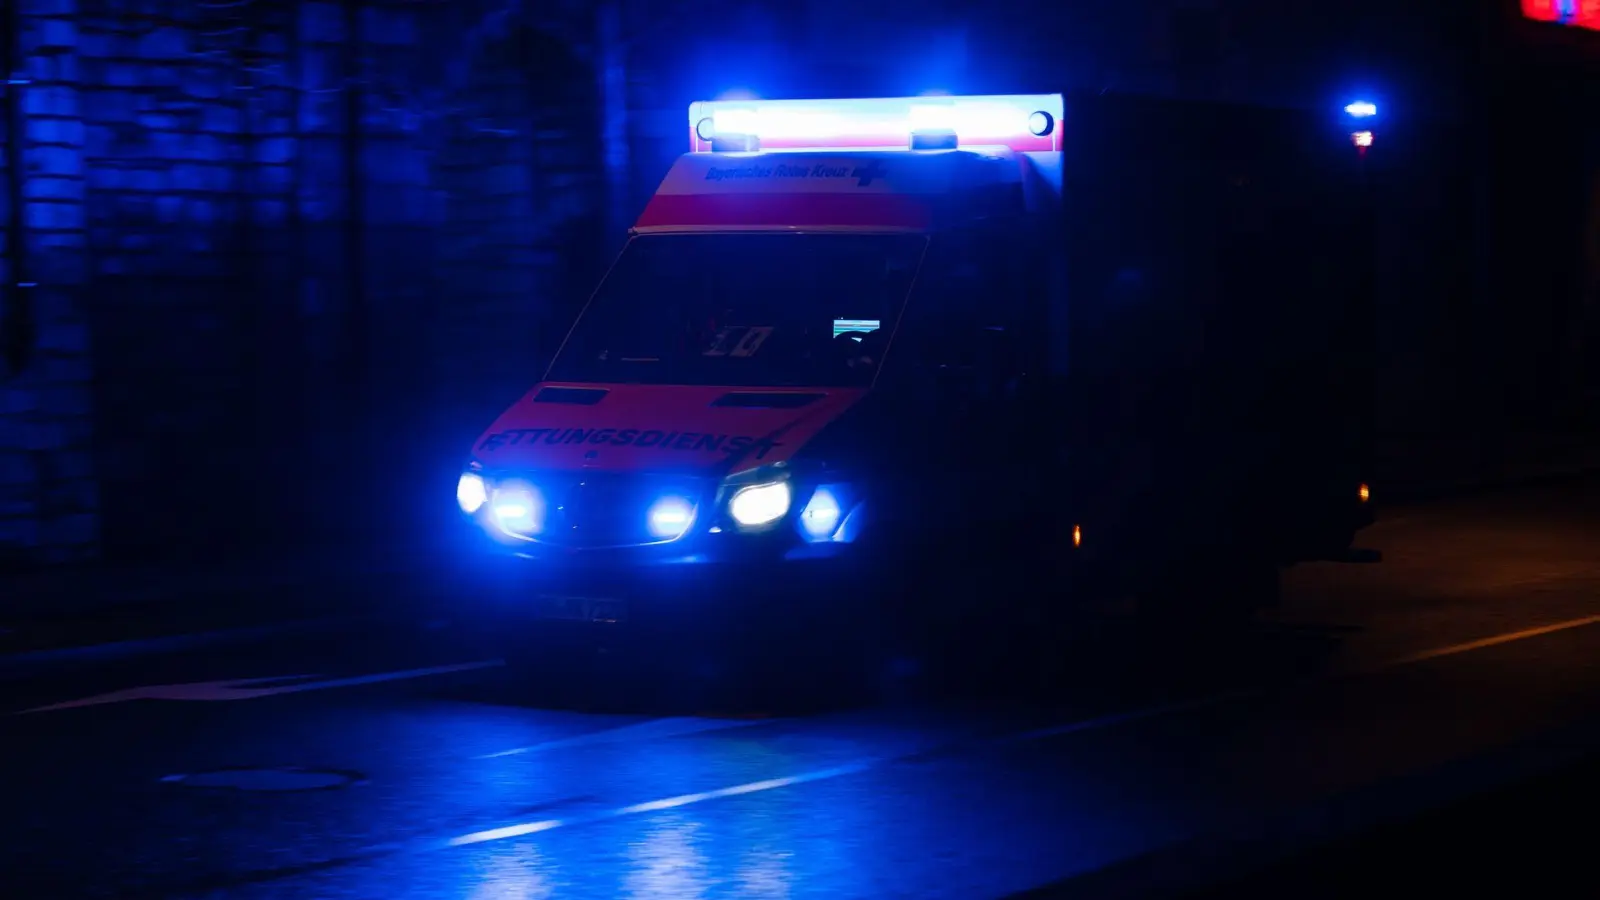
[658, 428]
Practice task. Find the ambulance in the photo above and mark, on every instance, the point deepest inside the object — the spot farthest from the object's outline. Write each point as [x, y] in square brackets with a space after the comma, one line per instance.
[1116, 344]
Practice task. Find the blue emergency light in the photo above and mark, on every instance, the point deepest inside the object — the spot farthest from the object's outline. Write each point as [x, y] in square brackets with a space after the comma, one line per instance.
[1018, 122]
[1361, 109]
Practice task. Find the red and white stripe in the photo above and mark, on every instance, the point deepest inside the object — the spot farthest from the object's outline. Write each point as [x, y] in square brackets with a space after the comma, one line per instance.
[864, 191]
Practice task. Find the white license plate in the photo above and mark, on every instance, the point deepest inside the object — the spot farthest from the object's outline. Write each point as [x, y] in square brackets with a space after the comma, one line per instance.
[581, 609]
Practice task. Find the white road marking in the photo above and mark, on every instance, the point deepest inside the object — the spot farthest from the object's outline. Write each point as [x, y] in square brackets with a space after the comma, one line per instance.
[241, 688]
[752, 787]
[500, 834]
[525, 828]
[862, 765]
[654, 729]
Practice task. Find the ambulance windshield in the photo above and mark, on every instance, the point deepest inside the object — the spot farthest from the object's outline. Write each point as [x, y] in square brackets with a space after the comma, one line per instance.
[747, 310]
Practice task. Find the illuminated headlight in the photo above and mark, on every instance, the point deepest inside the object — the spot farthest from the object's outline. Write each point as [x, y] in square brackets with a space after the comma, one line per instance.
[760, 504]
[669, 517]
[820, 519]
[518, 508]
[471, 492]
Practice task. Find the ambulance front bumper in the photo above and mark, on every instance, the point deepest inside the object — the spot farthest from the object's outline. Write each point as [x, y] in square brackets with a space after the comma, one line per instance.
[705, 581]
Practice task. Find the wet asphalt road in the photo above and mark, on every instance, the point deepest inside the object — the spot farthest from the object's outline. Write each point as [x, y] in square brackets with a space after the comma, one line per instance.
[425, 769]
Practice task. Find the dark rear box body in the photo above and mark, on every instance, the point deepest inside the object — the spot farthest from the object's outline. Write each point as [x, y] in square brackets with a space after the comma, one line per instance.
[1214, 352]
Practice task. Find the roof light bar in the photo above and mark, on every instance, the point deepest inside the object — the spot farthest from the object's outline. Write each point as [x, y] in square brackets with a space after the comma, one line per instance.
[1019, 122]
[1361, 110]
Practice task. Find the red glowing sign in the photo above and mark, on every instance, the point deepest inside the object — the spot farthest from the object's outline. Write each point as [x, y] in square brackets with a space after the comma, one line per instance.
[1581, 13]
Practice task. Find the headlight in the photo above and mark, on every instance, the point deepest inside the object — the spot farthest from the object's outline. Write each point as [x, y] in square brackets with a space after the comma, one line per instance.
[820, 519]
[760, 504]
[471, 492]
[518, 508]
[669, 517]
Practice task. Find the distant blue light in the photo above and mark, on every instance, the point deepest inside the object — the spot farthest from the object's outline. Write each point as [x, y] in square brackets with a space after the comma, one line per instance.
[669, 517]
[1362, 110]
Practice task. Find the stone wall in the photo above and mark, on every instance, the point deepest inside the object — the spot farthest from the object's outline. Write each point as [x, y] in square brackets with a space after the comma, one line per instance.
[48, 497]
[518, 172]
[296, 239]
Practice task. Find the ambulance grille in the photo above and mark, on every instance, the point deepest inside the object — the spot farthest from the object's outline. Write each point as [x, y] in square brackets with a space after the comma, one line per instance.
[595, 510]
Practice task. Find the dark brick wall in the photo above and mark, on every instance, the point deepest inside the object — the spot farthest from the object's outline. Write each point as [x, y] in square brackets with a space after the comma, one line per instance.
[519, 171]
[303, 244]
[186, 160]
[48, 497]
